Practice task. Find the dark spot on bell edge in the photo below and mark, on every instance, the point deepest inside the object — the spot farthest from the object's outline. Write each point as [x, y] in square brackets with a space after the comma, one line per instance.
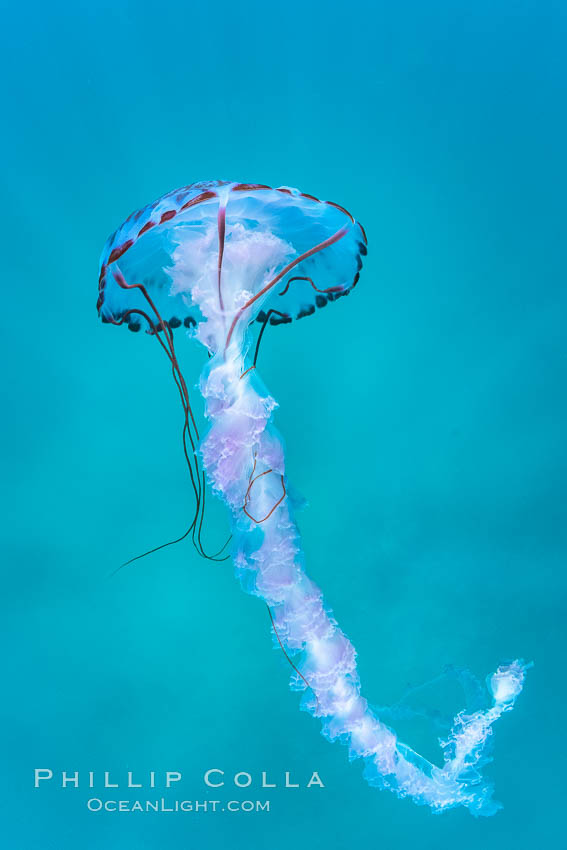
[307, 311]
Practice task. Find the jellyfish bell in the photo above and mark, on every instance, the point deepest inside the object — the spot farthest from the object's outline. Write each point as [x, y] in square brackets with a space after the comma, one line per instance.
[220, 254]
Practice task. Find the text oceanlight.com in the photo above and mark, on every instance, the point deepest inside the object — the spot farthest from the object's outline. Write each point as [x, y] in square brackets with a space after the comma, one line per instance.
[95, 804]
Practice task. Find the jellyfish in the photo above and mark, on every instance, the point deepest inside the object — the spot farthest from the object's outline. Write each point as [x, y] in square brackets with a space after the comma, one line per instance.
[215, 260]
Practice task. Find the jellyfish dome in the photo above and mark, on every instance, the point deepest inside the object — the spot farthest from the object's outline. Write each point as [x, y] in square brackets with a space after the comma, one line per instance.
[210, 249]
[213, 259]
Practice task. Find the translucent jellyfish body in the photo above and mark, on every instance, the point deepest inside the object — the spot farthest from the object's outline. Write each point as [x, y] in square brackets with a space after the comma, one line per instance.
[214, 258]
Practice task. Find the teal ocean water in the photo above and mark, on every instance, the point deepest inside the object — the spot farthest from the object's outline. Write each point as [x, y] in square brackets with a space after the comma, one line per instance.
[424, 416]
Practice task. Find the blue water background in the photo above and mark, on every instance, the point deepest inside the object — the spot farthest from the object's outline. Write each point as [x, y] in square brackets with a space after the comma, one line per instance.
[424, 416]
